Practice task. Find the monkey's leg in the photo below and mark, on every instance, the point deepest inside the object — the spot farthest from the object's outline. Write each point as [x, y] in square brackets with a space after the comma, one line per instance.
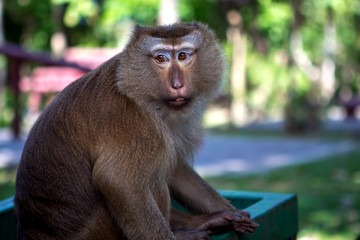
[99, 226]
[187, 226]
[194, 193]
[191, 235]
[129, 199]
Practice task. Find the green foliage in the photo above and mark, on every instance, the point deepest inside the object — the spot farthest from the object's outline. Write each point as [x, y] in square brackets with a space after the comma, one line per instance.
[208, 11]
[269, 75]
[328, 192]
[7, 113]
[78, 10]
[119, 17]
[28, 22]
[267, 24]
[301, 113]
[274, 20]
[140, 11]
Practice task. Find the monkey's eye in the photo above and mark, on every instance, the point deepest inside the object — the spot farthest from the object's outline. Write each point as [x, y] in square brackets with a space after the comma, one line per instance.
[161, 58]
[183, 56]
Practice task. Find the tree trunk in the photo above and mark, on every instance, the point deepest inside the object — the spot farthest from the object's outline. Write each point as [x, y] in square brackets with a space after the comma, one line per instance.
[2, 71]
[58, 38]
[327, 80]
[302, 111]
[237, 38]
[168, 12]
[1, 22]
[297, 52]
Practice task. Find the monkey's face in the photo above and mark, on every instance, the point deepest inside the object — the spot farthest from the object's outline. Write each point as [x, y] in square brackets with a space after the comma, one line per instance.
[174, 65]
[173, 68]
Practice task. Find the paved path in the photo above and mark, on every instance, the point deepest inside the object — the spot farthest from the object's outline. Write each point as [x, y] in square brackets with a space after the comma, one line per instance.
[10, 149]
[224, 154]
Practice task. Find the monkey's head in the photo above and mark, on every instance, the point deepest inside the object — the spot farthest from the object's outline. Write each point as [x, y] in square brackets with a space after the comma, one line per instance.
[172, 69]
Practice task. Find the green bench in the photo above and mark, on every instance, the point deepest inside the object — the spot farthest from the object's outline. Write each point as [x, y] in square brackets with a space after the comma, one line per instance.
[276, 213]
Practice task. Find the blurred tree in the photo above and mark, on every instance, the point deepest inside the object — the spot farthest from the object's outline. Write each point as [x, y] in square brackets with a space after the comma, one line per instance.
[320, 70]
[311, 46]
[267, 25]
[168, 12]
[2, 71]
[1, 22]
[323, 74]
[28, 23]
[237, 39]
[118, 18]
[58, 37]
[211, 12]
[327, 78]
[347, 18]
[298, 114]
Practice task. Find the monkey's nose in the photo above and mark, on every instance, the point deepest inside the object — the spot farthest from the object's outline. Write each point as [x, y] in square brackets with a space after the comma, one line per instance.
[176, 84]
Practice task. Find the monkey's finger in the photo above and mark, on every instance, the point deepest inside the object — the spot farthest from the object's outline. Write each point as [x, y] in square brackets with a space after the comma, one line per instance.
[243, 229]
[243, 213]
[249, 230]
[252, 228]
[242, 220]
[231, 217]
[248, 225]
[254, 224]
[240, 230]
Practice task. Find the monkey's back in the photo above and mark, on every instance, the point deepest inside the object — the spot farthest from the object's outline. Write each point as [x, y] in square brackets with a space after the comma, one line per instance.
[55, 193]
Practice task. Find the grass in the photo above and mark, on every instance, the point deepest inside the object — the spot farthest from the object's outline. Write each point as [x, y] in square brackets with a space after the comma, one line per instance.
[271, 133]
[328, 192]
[7, 182]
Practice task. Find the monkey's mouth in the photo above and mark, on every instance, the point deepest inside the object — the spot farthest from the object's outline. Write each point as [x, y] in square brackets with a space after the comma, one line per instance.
[177, 103]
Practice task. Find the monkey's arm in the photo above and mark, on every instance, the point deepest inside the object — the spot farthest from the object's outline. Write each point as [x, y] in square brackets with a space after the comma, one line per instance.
[193, 192]
[129, 199]
[189, 189]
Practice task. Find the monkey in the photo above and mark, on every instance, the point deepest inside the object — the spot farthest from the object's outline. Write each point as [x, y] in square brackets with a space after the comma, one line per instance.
[108, 154]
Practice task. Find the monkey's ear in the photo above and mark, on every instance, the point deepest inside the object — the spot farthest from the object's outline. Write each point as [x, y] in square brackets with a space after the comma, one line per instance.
[137, 32]
[138, 27]
[194, 24]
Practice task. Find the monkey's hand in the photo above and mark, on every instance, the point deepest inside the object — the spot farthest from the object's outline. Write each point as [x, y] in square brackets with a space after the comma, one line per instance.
[225, 221]
[247, 215]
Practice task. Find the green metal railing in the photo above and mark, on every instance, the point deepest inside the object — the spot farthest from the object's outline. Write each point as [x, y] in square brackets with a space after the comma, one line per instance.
[276, 213]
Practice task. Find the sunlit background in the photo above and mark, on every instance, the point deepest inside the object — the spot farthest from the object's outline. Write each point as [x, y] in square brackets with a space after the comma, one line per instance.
[292, 82]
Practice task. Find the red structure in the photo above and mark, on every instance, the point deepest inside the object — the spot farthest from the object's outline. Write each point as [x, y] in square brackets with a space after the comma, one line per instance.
[47, 80]
[56, 74]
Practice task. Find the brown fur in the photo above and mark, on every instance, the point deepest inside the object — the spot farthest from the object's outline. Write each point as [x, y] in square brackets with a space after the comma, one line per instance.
[104, 157]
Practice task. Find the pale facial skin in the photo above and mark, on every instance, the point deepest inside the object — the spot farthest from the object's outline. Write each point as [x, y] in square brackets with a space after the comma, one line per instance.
[174, 66]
